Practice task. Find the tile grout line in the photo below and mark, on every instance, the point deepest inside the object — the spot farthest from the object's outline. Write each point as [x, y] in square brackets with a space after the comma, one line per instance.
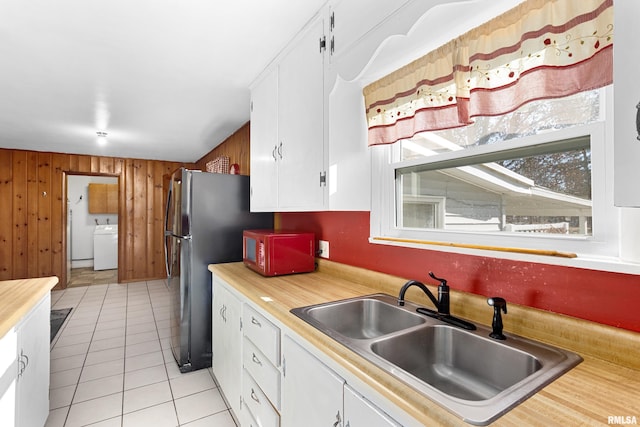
[173, 397]
[151, 297]
[75, 390]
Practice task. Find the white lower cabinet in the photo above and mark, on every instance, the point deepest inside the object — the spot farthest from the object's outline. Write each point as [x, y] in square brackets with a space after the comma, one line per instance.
[264, 373]
[271, 379]
[32, 366]
[261, 380]
[260, 407]
[246, 418]
[8, 374]
[311, 392]
[360, 412]
[227, 342]
[314, 395]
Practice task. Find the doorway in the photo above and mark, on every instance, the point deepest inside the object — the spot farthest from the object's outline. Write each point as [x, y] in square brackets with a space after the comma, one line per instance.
[92, 230]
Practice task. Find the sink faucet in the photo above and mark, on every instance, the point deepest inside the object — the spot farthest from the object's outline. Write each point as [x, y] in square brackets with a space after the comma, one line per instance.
[441, 304]
[498, 304]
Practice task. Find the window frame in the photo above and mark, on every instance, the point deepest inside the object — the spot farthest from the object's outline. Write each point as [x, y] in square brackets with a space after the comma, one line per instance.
[601, 250]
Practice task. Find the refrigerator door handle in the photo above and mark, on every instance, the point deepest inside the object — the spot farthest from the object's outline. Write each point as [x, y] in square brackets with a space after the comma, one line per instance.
[167, 233]
[167, 237]
[168, 206]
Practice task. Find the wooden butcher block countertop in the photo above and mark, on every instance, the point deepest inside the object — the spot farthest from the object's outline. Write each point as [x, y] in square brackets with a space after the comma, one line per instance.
[18, 297]
[605, 384]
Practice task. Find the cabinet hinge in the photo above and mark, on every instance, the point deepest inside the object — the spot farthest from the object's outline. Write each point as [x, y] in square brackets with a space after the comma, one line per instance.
[323, 179]
[323, 43]
[241, 323]
[332, 21]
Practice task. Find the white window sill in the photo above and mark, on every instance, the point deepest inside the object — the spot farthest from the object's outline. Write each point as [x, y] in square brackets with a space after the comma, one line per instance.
[614, 265]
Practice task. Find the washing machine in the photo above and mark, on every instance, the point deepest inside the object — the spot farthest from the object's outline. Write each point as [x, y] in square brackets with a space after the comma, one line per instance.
[105, 247]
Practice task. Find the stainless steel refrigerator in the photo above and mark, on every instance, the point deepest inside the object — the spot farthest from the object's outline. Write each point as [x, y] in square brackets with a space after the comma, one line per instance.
[204, 219]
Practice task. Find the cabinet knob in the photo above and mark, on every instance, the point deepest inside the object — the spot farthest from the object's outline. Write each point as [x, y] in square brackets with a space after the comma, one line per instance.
[256, 322]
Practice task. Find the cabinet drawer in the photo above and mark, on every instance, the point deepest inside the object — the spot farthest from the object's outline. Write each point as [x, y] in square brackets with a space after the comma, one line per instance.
[264, 414]
[263, 372]
[264, 334]
[246, 418]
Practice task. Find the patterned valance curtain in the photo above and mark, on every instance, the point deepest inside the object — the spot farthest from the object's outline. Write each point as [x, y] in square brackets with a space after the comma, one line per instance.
[540, 49]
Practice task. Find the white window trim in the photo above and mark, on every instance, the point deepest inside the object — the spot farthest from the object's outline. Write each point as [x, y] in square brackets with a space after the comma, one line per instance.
[600, 251]
[438, 202]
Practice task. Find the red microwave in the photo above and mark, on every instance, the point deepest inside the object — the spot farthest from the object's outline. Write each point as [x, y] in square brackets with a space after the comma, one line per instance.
[273, 253]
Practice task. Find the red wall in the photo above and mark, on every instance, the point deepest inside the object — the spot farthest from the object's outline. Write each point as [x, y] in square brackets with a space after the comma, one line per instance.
[603, 297]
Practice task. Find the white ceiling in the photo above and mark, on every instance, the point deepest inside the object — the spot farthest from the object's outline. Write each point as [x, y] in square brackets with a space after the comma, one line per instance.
[166, 79]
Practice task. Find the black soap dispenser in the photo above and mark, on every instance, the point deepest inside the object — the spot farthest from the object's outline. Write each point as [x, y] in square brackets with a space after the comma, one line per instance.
[498, 304]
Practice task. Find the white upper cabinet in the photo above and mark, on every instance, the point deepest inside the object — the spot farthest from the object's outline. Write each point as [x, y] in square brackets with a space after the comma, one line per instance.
[308, 128]
[626, 103]
[359, 30]
[301, 122]
[288, 128]
[264, 143]
[350, 20]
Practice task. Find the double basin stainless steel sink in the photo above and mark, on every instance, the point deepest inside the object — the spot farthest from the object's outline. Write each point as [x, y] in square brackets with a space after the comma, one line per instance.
[473, 376]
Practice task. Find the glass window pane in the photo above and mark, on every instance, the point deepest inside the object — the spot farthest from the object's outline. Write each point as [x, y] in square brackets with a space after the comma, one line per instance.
[537, 194]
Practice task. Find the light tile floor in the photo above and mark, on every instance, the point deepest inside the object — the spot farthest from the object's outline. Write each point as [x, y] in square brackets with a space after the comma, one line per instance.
[111, 364]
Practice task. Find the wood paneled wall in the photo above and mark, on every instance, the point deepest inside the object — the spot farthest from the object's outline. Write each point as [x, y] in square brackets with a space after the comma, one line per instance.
[33, 212]
[236, 147]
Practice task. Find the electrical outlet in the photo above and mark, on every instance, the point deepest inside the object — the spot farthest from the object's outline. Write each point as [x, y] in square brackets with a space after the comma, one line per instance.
[323, 247]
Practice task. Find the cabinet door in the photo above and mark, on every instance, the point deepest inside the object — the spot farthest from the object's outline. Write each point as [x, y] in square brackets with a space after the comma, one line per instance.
[32, 387]
[8, 371]
[97, 198]
[301, 122]
[227, 341]
[264, 144]
[349, 177]
[311, 392]
[218, 328]
[626, 103]
[359, 412]
[352, 19]
[112, 198]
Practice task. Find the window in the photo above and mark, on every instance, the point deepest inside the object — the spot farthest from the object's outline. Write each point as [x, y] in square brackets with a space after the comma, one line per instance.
[531, 179]
[416, 210]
